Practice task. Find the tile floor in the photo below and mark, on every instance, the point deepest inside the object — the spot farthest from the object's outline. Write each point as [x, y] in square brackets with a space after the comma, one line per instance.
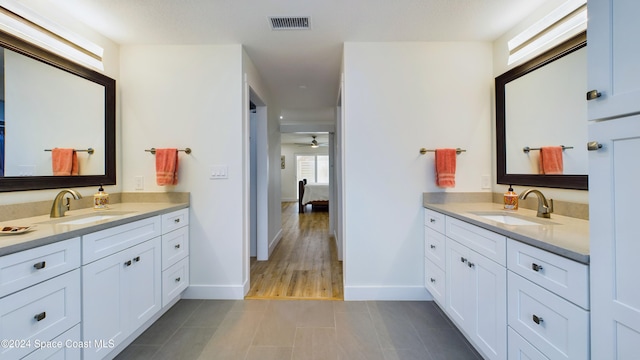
[301, 329]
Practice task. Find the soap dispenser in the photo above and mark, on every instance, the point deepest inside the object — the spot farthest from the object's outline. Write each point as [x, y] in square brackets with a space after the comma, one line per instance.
[100, 199]
[510, 199]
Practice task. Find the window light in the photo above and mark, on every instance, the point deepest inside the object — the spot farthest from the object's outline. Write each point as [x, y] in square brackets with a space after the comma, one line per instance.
[562, 23]
[29, 26]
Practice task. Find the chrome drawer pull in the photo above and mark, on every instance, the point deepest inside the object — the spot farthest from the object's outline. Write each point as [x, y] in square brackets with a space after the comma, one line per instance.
[463, 260]
[432, 280]
[176, 220]
[40, 265]
[432, 220]
[432, 246]
[178, 279]
[177, 246]
[537, 319]
[127, 263]
[536, 267]
[593, 94]
[471, 264]
[41, 316]
[136, 259]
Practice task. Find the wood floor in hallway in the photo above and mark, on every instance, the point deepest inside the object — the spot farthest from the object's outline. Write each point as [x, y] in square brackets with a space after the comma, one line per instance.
[304, 265]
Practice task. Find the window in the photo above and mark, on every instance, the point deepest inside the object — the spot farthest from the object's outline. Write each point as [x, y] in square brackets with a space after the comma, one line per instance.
[314, 168]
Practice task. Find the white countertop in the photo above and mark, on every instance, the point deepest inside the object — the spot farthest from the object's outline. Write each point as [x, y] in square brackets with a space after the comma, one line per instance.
[561, 235]
[47, 231]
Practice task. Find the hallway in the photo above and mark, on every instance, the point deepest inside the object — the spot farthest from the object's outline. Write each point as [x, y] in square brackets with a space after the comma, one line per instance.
[304, 265]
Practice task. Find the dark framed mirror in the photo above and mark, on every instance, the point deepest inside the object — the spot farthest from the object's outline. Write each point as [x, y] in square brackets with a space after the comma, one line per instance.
[566, 117]
[85, 119]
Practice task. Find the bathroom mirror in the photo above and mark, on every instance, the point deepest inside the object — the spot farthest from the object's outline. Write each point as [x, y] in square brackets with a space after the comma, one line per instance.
[542, 103]
[48, 101]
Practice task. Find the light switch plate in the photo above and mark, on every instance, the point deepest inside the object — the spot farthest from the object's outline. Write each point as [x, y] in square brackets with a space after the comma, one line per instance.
[219, 172]
[139, 182]
[485, 182]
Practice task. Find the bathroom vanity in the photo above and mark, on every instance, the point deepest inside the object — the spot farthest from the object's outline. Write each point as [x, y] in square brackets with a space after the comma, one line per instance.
[87, 284]
[516, 285]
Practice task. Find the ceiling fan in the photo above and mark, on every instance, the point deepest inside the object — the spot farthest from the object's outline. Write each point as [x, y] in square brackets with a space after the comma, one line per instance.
[314, 143]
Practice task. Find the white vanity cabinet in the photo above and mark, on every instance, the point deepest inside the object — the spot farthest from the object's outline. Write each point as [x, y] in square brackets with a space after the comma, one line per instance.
[175, 255]
[548, 303]
[122, 290]
[613, 58]
[39, 299]
[434, 253]
[476, 285]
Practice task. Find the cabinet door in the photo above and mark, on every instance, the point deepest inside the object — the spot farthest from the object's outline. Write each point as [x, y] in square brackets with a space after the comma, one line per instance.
[615, 244]
[104, 307]
[458, 283]
[614, 57]
[489, 301]
[143, 281]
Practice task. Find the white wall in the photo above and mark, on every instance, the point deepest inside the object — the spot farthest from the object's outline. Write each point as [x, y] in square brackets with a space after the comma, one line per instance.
[191, 96]
[400, 97]
[289, 183]
[111, 61]
[500, 66]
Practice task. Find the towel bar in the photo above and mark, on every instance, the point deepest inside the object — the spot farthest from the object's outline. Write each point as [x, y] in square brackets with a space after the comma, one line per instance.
[89, 150]
[526, 149]
[424, 151]
[153, 150]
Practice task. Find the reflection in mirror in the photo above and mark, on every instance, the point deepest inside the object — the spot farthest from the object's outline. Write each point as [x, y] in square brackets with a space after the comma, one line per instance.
[69, 114]
[50, 102]
[541, 103]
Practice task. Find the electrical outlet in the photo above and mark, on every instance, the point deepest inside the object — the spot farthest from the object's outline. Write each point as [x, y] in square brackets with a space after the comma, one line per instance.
[485, 182]
[138, 182]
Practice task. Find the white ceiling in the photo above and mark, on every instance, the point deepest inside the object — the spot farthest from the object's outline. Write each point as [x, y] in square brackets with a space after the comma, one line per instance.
[301, 68]
[303, 138]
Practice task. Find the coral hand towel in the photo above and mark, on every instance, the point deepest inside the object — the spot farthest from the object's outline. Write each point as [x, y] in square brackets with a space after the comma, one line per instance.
[167, 166]
[64, 162]
[446, 167]
[551, 160]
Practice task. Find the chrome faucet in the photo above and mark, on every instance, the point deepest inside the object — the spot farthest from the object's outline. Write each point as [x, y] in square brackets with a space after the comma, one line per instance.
[59, 207]
[544, 208]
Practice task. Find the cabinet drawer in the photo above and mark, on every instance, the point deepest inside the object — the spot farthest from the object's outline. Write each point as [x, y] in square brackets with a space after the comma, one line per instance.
[174, 220]
[175, 246]
[519, 348]
[434, 246]
[434, 281]
[556, 327]
[482, 241]
[562, 276]
[109, 241]
[175, 280]
[434, 220]
[40, 312]
[64, 347]
[23, 269]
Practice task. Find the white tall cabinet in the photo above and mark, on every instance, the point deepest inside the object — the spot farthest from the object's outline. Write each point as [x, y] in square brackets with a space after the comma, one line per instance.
[614, 170]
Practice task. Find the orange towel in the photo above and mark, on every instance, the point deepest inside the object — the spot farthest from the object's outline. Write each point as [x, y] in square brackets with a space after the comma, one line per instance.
[167, 166]
[446, 167]
[551, 160]
[64, 162]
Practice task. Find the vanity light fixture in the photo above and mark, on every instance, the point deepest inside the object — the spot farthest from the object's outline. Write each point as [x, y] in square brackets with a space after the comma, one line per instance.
[24, 23]
[562, 23]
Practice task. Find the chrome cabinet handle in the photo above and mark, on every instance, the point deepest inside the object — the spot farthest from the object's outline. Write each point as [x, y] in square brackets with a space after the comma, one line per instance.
[593, 146]
[41, 316]
[176, 220]
[178, 279]
[177, 246]
[136, 259]
[593, 94]
[432, 280]
[127, 263]
[432, 220]
[464, 260]
[432, 246]
[40, 265]
[536, 267]
[470, 264]
[537, 319]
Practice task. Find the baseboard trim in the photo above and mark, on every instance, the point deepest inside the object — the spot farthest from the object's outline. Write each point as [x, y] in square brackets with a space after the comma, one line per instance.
[275, 241]
[215, 292]
[397, 293]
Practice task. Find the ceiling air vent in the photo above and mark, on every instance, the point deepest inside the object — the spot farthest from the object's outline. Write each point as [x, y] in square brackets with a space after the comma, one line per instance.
[290, 23]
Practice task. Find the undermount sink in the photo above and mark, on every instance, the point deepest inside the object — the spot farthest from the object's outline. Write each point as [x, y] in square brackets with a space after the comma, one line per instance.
[509, 219]
[86, 218]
